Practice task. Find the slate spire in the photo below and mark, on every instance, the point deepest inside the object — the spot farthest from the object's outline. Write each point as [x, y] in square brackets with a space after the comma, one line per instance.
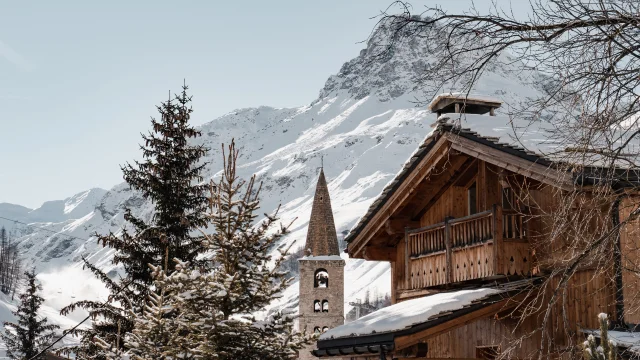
[321, 234]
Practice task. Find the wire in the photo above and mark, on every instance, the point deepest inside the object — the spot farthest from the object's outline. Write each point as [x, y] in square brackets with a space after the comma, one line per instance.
[66, 332]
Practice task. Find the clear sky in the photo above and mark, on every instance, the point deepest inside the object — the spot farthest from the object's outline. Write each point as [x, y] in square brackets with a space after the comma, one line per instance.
[80, 79]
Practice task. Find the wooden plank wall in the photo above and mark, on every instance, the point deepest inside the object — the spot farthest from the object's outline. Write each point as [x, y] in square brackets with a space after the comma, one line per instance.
[587, 295]
[462, 342]
[453, 202]
[630, 251]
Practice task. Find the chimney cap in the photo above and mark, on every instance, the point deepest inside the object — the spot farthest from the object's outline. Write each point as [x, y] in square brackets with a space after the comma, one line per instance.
[473, 104]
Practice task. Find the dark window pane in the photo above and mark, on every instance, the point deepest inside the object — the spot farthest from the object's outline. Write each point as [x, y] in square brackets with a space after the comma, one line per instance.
[507, 199]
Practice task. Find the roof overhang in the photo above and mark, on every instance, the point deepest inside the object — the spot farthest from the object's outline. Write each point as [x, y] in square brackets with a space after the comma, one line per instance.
[444, 103]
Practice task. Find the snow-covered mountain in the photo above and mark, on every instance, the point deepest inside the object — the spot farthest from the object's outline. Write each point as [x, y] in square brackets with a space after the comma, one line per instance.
[365, 123]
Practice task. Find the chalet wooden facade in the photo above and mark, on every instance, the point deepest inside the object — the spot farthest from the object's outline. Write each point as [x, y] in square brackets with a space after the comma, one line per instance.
[456, 217]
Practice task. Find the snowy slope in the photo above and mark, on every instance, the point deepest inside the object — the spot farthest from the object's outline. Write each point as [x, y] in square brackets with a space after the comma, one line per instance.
[364, 123]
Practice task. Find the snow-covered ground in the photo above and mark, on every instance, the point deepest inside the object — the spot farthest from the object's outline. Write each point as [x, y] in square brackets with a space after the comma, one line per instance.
[365, 123]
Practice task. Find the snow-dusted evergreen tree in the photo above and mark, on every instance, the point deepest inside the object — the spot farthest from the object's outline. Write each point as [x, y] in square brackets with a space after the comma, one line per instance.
[169, 176]
[204, 311]
[241, 278]
[154, 329]
[30, 335]
[607, 349]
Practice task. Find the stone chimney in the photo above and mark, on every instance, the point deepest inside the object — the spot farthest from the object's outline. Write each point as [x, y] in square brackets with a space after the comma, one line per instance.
[462, 103]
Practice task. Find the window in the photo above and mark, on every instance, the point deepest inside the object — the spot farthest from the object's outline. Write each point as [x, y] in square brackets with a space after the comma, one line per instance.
[507, 198]
[472, 197]
[316, 330]
[316, 306]
[321, 279]
[325, 306]
[487, 352]
[324, 329]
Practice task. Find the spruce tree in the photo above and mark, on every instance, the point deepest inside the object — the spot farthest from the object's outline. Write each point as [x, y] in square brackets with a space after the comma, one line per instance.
[169, 177]
[205, 310]
[31, 334]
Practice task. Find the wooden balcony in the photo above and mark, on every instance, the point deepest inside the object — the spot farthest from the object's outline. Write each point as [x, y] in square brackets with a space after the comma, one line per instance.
[467, 248]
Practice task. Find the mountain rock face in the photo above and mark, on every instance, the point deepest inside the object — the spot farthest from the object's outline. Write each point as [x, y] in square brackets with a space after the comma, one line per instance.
[365, 124]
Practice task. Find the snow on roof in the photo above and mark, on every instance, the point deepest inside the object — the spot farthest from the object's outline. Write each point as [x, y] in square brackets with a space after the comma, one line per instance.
[459, 95]
[629, 340]
[322, 257]
[408, 313]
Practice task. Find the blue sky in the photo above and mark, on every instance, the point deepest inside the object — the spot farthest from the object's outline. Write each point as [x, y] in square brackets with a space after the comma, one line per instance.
[79, 80]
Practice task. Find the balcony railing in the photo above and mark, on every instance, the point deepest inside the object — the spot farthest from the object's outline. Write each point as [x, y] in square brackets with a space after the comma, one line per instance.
[466, 248]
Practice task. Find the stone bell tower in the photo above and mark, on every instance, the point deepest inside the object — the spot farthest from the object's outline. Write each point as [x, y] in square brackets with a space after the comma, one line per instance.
[321, 302]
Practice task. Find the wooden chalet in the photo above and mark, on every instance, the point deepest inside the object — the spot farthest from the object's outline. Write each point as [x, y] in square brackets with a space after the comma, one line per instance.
[454, 220]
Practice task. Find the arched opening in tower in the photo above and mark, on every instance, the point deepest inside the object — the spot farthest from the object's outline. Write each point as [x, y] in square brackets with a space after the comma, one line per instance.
[321, 279]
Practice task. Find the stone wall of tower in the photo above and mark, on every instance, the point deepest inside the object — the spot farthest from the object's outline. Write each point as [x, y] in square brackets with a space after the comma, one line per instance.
[333, 293]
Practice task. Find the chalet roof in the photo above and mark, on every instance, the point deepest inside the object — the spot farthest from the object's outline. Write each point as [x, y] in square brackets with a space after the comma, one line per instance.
[424, 149]
[322, 239]
[540, 150]
[379, 329]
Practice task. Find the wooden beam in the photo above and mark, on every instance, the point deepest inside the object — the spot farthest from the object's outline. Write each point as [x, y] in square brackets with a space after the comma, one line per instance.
[418, 350]
[510, 162]
[396, 225]
[376, 253]
[448, 244]
[403, 342]
[482, 186]
[498, 243]
[404, 191]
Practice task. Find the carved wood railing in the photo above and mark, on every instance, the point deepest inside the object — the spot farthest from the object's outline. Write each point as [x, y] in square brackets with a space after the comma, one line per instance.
[426, 240]
[461, 249]
[460, 232]
[471, 230]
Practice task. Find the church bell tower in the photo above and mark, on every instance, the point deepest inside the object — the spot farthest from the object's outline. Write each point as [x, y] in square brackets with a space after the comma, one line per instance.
[321, 301]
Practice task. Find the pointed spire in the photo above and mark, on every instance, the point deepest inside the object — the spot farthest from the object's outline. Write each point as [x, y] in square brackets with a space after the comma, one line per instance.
[321, 234]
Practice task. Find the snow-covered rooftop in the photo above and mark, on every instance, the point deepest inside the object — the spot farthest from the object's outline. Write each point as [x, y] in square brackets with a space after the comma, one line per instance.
[322, 257]
[408, 313]
[626, 339]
